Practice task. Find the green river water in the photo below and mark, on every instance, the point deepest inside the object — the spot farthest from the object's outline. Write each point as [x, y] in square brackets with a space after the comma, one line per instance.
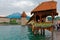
[17, 32]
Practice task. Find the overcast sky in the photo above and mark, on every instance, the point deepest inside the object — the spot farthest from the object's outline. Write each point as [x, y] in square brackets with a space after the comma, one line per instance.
[11, 6]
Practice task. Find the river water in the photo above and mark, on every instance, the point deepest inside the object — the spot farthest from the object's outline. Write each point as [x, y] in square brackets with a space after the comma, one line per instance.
[17, 32]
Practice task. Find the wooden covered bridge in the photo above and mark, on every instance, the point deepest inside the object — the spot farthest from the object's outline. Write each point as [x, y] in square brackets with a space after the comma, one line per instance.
[48, 8]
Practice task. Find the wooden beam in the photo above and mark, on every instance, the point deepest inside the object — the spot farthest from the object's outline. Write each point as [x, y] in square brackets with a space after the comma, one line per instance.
[52, 17]
[35, 17]
[40, 18]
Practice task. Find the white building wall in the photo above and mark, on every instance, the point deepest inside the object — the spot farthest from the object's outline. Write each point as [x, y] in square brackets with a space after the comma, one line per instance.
[23, 21]
[18, 21]
[4, 20]
[46, 19]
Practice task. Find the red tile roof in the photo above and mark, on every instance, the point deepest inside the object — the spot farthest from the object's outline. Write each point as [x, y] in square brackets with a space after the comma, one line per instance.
[45, 6]
[23, 14]
[2, 17]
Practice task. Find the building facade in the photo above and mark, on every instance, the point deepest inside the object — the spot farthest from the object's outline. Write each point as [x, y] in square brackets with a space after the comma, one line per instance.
[23, 19]
[4, 19]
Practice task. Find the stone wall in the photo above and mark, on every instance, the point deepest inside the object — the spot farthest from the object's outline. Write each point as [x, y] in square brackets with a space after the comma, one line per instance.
[4, 20]
[23, 21]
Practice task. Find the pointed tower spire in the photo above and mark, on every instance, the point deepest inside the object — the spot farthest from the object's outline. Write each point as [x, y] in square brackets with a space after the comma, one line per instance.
[23, 14]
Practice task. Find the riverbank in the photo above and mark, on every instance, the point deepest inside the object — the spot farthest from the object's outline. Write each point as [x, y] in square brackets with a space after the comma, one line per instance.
[8, 24]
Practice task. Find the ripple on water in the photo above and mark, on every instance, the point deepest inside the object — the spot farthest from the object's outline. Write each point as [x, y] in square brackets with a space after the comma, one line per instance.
[17, 32]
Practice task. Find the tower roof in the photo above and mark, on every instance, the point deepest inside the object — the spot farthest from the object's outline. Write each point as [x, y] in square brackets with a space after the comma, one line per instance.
[23, 14]
[45, 6]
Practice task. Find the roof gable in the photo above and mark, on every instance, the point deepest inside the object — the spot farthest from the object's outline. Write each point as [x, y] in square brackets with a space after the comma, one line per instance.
[23, 14]
[45, 6]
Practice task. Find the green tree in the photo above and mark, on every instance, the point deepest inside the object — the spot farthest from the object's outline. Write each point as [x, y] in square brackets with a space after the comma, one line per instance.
[13, 21]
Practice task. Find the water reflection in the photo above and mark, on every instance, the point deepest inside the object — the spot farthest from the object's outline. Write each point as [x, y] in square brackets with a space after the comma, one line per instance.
[17, 32]
[35, 37]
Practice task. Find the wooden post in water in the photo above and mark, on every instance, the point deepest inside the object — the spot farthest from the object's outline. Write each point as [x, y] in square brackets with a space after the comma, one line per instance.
[43, 31]
[52, 26]
[52, 33]
[40, 22]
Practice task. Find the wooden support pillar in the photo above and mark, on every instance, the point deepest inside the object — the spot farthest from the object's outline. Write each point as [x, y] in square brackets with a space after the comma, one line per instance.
[33, 28]
[40, 18]
[52, 17]
[52, 33]
[35, 17]
[52, 26]
[43, 31]
[40, 22]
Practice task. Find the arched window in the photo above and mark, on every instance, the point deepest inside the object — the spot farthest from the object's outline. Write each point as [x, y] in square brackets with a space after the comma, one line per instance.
[37, 18]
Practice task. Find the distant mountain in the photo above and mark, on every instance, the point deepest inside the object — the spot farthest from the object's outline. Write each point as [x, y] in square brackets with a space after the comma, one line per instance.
[16, 15]
[28, 17]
